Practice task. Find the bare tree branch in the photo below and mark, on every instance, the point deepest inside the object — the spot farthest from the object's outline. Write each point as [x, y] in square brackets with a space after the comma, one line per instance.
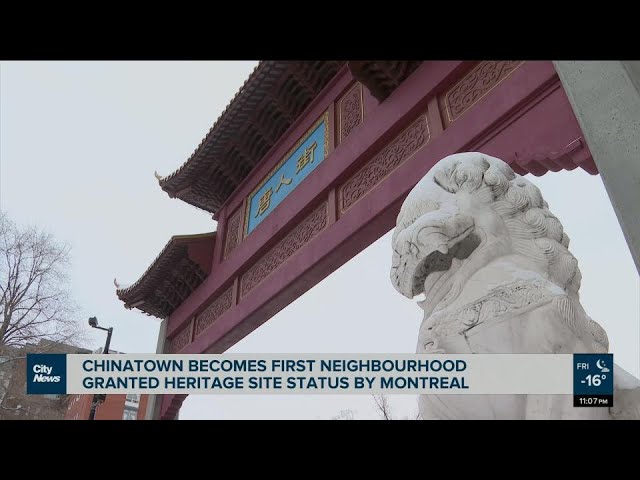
[34, 297]
[382, 404]
[11, 359]
[344, 415]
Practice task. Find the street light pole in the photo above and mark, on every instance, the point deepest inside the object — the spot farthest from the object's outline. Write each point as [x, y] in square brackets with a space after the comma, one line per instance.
[97, 399]
[108, 342]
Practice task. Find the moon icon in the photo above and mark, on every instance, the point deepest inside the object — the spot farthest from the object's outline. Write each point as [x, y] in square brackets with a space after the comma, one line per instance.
[601, 367]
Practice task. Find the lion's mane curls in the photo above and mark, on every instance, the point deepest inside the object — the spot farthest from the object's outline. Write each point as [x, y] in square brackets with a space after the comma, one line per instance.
[536, 233]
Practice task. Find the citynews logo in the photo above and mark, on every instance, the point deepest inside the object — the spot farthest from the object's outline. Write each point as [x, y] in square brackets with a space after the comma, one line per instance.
[46, 373]
[43, 374]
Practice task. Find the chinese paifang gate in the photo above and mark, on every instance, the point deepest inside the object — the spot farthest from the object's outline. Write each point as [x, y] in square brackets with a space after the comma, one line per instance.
[312, 160]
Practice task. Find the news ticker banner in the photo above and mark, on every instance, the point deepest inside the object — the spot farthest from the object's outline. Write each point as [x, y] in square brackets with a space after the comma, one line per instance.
[588, 377]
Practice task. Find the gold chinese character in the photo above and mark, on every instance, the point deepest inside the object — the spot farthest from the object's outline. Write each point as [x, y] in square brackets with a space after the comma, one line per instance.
[306, 157]
[265, 201]
[283, 181]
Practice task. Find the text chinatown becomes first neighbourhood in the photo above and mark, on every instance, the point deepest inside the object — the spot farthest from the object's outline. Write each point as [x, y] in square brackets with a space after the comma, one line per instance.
[276, 366]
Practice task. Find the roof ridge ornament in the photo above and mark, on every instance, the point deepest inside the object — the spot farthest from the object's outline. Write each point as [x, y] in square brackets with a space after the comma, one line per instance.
[158, 177]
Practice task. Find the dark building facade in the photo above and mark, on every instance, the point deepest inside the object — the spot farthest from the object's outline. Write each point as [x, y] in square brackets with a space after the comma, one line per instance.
[15, 404]
[130, 406]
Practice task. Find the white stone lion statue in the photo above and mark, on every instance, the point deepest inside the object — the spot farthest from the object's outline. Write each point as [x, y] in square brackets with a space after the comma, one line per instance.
[493, 262]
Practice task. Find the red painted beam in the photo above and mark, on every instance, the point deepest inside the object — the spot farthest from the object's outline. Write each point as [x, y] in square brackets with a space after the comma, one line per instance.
[361, 225]
[505, 122]
[381, 125]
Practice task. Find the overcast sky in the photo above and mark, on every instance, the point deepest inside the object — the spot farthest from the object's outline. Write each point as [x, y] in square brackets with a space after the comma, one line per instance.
[79, 142]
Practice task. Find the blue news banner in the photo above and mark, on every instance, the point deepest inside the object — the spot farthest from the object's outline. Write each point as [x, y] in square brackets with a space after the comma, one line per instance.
[588, 377]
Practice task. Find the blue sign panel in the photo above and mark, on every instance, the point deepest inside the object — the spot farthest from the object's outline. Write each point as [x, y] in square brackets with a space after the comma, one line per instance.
[289, 173]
